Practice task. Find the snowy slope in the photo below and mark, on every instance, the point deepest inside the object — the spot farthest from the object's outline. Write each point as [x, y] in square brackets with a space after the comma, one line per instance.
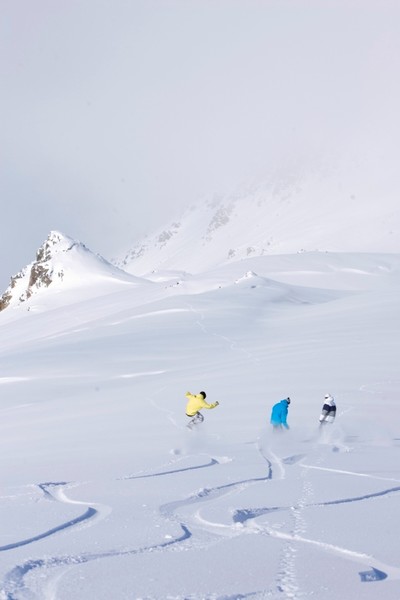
[62, 265]
[285, 215]
[106, 493]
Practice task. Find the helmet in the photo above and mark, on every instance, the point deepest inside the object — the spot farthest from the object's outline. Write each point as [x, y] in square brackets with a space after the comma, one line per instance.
[288, 400]
[204, 395]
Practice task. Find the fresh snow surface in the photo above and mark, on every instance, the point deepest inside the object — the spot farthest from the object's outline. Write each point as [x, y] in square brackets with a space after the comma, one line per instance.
[106, 494]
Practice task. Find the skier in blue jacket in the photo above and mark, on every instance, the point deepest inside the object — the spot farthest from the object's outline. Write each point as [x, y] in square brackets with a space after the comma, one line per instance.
[279, 414]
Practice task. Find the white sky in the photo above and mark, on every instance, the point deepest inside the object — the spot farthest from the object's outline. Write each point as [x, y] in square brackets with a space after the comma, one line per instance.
[115, 114]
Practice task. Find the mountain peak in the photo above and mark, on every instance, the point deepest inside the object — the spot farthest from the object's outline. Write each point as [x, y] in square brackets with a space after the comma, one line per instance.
[60, 261]
[55, 243]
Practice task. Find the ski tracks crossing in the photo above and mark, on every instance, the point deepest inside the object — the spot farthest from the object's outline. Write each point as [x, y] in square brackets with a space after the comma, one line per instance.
[198, 531]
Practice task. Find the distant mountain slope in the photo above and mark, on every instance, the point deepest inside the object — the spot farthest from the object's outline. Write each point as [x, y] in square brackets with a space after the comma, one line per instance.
[62, 263]
[284, 216]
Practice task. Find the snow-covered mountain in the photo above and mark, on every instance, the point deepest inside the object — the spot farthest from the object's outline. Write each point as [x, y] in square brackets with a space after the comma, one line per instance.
[61, 264]
[288, 214]
[283, 216]
[106, 494]
[105, 491]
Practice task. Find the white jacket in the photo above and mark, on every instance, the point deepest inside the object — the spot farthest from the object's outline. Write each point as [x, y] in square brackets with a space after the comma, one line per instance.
[328, 412]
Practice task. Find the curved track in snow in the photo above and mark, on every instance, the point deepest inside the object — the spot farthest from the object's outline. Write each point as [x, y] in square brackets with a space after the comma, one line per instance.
[196, 531]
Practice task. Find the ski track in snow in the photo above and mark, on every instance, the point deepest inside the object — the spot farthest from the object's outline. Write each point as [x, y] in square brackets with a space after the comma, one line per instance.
[13, 585]
[14, 581]
[200, 532]
[54, 492]
[212, 462]
[203, 532]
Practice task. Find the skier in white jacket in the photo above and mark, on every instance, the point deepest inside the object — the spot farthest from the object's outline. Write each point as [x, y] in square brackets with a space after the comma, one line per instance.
[328, 412]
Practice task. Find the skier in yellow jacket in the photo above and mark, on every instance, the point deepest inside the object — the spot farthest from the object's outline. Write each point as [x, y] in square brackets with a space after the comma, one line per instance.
[195, 403]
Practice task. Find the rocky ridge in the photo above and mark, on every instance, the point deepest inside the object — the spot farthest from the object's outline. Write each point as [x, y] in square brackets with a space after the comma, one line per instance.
[60, 261]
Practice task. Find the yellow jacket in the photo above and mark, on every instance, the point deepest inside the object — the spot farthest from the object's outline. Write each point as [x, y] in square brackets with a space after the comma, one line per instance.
[195, 403]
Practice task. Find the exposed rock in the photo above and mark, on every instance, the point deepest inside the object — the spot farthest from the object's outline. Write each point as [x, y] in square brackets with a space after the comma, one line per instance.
[38, 274]
[58, 261]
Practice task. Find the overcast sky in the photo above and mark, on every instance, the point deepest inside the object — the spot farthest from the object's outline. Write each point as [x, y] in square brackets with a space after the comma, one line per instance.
[117, 114]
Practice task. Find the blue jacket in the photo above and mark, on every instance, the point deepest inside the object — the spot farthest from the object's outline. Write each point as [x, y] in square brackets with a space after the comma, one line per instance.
[279, 413]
